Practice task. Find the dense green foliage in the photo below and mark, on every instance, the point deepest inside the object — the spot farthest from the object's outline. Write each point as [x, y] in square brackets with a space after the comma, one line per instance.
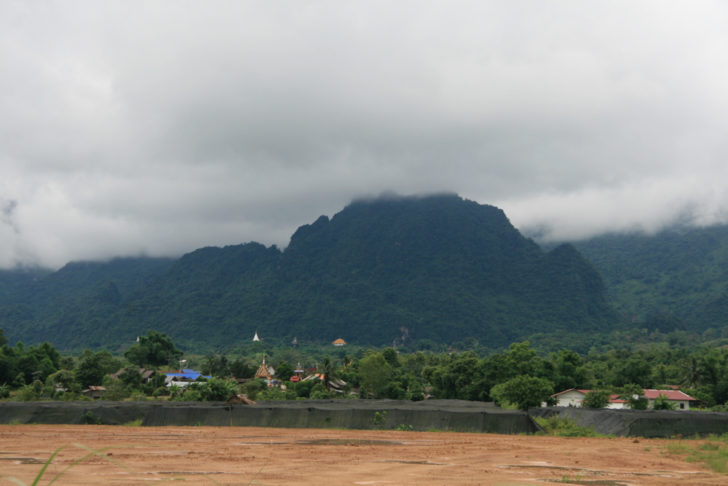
[154, 349]
[523, 391]
[518, 376]
[406, 270]
[634, 395]
[563, 427]
[77, 306]
[596, 399]
[676, 279]
[662, 403]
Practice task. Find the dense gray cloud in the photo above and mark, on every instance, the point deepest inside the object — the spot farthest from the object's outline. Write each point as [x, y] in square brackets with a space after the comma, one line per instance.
[158, 127]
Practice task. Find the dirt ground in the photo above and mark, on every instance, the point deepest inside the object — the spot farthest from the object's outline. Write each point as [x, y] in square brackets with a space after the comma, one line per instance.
[269, 456]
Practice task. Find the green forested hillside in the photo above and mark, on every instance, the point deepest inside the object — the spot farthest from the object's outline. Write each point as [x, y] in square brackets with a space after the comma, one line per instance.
[74, 306]
[393, 269]
[676, 279]
[402, 269]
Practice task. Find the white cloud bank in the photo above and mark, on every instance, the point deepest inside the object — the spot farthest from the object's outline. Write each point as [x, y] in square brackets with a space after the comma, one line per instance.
[155, 128]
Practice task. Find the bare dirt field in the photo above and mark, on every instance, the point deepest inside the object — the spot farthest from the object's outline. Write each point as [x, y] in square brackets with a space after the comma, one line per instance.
[269, 456]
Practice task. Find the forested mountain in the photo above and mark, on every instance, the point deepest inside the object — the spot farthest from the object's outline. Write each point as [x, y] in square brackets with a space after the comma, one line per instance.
[676, 279]
[438, 268]
[391, 269]
[75, 305]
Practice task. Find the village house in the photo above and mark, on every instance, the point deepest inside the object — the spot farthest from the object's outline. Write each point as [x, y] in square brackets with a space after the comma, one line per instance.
[335, 384]
[182, 378]
[680, 399]
[241, 399]
[95, 392]
[146, 375]
[575, 397]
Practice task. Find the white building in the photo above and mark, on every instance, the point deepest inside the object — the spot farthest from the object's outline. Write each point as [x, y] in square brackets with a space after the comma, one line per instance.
[575, 397]
[679, 399]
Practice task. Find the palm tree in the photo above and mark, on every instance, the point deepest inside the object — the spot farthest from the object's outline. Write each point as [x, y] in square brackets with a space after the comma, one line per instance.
[693, 372]
[328, 371]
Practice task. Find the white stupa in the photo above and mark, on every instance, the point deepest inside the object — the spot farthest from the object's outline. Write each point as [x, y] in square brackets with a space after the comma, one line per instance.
[256, 338]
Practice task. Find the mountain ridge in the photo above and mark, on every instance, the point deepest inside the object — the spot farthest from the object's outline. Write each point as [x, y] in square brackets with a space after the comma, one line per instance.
[674, 279]
[381, 270]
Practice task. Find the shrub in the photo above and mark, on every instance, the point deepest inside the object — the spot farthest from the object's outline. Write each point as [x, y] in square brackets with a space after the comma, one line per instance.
[662, 403]
[394, 391]
[634, 395]
[68, 396]
[274, 394]
[596, 399]
[563, 427]
[90, 418]
[116, 390]
[189, 394]
[252, 388]
[379, 419]
[27, 394]
[319, 392]
[217, 390]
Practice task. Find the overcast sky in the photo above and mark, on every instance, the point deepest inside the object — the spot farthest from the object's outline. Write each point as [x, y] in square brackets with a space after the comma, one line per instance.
[153, 127]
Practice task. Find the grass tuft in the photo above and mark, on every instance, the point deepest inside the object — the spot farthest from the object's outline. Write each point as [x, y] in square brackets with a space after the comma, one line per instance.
[713, 453]
[564, 427]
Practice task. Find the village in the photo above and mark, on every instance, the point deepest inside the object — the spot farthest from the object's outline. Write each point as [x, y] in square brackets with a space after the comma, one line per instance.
[516, 378]
[670, 398]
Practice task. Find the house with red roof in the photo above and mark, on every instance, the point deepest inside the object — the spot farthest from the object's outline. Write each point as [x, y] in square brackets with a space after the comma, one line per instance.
[575, 397]
[680, 399]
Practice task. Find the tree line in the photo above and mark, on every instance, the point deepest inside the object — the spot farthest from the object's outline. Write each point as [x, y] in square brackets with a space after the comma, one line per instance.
[518, 376]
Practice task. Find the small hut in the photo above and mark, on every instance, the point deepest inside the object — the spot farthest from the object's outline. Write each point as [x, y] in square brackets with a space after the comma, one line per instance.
[95, 392]
[241, 399]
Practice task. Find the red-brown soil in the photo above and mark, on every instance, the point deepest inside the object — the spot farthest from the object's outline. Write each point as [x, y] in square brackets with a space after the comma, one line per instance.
[268, 456]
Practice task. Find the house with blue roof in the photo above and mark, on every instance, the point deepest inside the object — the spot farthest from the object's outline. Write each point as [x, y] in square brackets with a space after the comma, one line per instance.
[183, 378]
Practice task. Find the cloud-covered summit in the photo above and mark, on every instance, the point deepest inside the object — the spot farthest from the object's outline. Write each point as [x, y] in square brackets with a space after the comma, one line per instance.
[159, 127]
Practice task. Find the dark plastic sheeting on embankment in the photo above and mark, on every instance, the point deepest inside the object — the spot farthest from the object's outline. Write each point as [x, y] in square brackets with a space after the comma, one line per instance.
[449, 415]
[642, 423]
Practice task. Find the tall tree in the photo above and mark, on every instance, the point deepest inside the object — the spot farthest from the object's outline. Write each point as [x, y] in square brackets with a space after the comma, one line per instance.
[374, 374]
[155, 349]
[92, 367]
[328, 370]
[523, 391]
